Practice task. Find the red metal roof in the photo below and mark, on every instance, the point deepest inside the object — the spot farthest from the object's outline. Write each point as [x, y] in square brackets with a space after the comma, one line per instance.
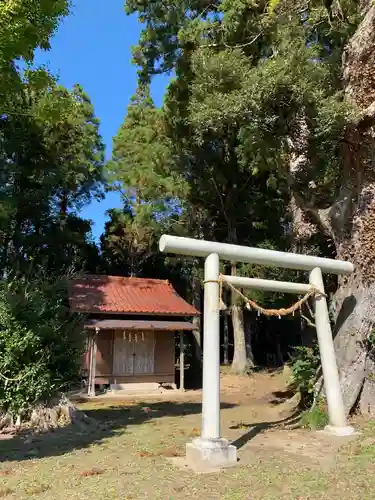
[118, 295]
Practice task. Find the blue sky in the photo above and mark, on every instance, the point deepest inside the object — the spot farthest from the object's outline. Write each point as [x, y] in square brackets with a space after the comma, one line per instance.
[93, 48]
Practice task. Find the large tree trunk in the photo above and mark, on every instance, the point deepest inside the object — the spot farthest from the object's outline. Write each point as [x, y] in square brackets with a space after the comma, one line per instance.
[196, 289]
[243, 360]
[350, 222]
[353, 225]
[250, 328]
[353, 327]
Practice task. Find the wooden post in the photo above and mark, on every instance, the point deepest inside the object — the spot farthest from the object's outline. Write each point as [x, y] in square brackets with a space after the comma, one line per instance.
[89, 352]
[182, 362]
[92, 375]
[94, 349]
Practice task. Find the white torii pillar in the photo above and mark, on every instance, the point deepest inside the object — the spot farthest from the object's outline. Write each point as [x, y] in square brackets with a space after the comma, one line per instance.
[211, 449]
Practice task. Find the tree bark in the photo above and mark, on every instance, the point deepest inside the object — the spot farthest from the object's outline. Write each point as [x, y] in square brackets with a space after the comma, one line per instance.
[350, 222]
[196, 289]
[353, 326]
[250, 326]
[366, 400]
[243, 360]
[355, 232]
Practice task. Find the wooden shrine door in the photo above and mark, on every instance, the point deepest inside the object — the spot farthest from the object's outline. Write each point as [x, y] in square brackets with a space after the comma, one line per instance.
[133, 353]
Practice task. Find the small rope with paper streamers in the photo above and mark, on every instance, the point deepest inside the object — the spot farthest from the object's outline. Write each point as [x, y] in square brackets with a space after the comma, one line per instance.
[252, 305]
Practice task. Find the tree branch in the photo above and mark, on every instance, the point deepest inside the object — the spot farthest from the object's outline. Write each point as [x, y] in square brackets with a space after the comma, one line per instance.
[308, 321]
[309, 308]
[330, 219]
[319, 216]
[220, 198]
[17, 379]
[228, 46]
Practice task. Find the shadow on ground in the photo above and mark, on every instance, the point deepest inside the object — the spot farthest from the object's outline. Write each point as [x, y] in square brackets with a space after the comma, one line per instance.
[108, 420]
[259, 427]
[281, 396]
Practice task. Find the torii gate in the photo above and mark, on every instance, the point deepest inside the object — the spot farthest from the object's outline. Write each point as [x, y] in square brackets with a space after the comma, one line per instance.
[210, 449]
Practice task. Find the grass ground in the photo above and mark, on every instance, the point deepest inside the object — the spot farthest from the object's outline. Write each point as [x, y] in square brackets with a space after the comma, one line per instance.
[128, 457]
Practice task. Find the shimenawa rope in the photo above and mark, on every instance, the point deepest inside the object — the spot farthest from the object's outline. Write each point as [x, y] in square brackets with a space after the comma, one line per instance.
[252, 305]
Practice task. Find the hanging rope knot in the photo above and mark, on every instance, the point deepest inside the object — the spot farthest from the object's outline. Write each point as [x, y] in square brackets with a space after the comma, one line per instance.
[222, 306]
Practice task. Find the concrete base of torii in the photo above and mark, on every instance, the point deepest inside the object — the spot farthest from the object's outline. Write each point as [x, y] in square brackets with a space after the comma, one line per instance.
[203, 454]
[340, 431]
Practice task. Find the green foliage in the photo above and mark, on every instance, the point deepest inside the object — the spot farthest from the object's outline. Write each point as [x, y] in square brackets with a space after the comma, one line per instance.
[24, 26]
[244, 78]
[142, 158]
[40, 342]
[51, 161]
[248, 76]
[51, 158]
[141, 169]
[316, 418]
[72, 139]
[257, 86]
[129, 240]
[305, 364]
[28, 24]
[272, 6]
[51, 152]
